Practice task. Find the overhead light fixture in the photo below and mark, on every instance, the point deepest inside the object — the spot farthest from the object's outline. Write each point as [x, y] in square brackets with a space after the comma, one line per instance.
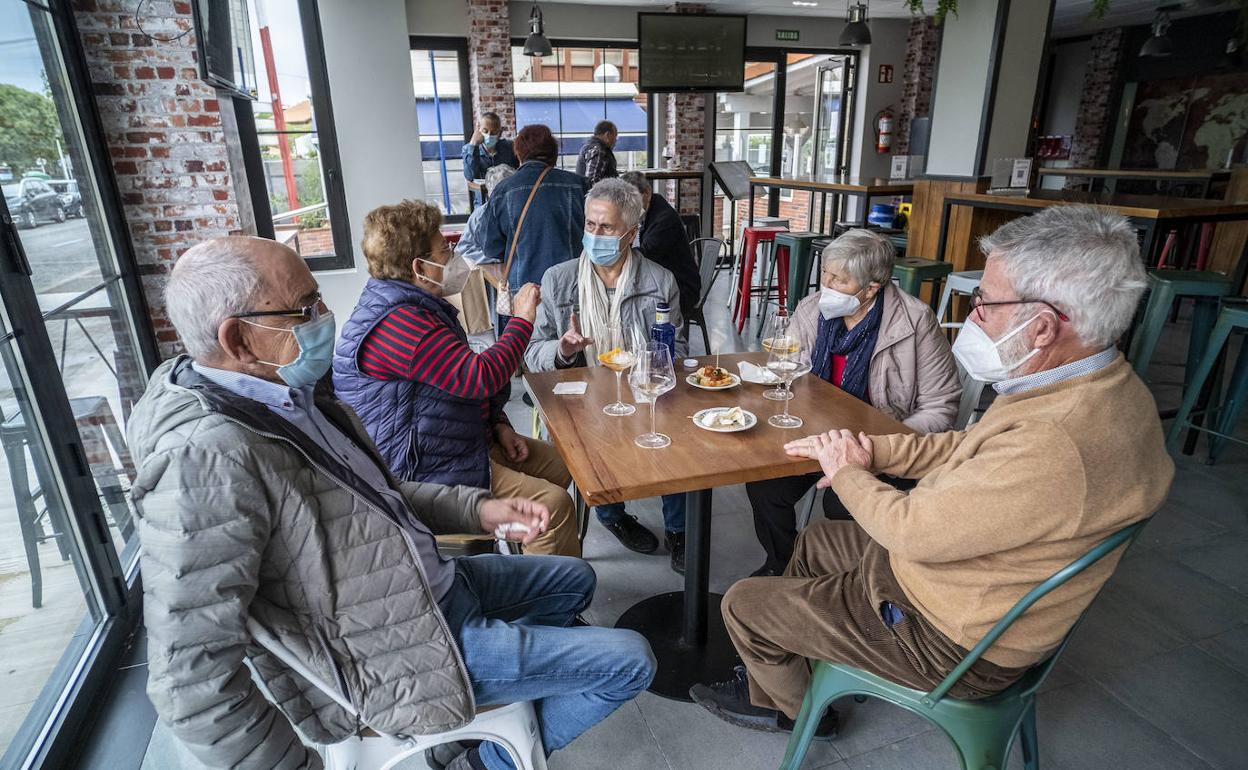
[803, 4]
[856, 31]
[536, 44]
[1159, 45]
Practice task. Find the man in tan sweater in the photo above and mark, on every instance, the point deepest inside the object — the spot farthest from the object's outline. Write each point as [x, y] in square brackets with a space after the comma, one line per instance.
[1070, 452]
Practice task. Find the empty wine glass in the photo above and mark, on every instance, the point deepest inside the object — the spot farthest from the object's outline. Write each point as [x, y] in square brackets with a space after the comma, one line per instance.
[652, 376]
[788, 363]
[778, 336]
[618, 354]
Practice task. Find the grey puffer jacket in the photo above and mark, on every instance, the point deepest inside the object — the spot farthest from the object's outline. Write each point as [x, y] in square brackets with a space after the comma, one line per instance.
[241, 514]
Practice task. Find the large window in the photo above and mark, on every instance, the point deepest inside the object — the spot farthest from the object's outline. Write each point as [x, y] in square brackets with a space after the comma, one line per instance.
[574, 88]
[444, 114]
[295, 131]
[70, 373]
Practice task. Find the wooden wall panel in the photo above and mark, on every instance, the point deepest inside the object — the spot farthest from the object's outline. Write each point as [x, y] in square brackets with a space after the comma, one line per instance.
[1230, 237]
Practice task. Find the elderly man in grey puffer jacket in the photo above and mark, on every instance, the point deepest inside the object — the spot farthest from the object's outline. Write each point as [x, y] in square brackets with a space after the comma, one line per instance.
[261, 496]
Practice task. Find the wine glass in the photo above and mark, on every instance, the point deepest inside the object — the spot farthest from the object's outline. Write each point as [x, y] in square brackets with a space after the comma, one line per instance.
[618, 354]
[778, 336]
[652, 376]
[788, 363]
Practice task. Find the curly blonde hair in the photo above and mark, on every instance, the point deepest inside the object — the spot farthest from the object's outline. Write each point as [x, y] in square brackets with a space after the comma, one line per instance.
[395, 235]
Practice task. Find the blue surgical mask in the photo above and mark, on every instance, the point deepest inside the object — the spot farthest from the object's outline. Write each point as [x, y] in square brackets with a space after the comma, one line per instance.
[316, 351]
[602, 250]
[489, 140]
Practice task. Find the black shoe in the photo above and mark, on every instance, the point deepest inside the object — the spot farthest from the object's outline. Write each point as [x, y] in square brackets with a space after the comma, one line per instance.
[730, 701]
[675, 542]
[764, 571]
[632, 535]
[580, 622]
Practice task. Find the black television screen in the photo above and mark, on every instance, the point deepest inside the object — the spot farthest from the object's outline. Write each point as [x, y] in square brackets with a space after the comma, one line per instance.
[690, 52]
[225, 54]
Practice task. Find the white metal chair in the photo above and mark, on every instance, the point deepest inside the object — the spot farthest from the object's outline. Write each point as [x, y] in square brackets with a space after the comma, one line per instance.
[513, 727]
[964, 282]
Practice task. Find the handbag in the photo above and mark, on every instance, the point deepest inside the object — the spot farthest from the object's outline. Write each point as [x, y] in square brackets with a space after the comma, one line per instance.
[501, 281]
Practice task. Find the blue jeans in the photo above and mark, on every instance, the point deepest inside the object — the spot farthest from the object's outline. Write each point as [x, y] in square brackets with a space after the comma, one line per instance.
[510, 614]
[673, 512]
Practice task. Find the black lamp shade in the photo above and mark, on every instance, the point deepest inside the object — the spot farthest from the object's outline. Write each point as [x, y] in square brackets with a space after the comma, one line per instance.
[536, 44]
[1158, 46]
[856, 32]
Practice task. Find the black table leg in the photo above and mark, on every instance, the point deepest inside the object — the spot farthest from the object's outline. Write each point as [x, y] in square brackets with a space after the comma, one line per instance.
[685, 629]
[751, 204]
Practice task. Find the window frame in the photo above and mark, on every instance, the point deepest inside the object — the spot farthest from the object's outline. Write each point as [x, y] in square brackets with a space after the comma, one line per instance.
[460, 46]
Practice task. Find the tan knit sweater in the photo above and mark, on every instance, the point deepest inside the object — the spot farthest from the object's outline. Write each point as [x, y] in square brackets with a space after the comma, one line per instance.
[1043, 477]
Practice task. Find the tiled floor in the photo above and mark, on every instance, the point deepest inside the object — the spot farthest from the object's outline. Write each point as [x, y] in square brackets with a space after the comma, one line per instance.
[1156, 678]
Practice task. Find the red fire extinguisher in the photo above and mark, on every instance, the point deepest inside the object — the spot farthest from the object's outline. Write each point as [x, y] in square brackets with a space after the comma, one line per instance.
[883, 130]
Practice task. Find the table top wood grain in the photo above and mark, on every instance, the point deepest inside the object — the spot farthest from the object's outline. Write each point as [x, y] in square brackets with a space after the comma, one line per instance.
[1139, 206]
[838, 183]
[608, 467]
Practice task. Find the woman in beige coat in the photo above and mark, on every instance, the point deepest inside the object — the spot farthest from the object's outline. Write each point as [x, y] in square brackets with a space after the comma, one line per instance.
[874, 342]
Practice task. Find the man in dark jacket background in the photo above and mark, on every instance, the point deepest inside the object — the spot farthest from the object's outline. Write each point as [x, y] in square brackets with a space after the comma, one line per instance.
[664, 240]
[597, 159]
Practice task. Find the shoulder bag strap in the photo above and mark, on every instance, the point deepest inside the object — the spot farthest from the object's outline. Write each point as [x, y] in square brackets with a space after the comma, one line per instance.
[515, 238]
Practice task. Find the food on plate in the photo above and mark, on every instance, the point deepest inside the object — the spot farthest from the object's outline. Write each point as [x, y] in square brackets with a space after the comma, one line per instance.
[723, 418]
[713, 377]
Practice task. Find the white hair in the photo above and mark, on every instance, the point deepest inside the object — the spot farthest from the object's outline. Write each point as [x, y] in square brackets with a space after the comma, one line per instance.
[622, 195]
[494, 175]
[868, 256]
[1084, 261]
[210, 282]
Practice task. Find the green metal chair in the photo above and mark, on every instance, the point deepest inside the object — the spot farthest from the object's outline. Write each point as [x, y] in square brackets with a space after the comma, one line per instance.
[801, 258]
[1164, 287]
[911, 272]
[1234, 315]
[982, 730]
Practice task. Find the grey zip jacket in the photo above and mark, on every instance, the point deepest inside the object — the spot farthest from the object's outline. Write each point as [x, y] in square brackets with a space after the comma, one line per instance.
[240, 514]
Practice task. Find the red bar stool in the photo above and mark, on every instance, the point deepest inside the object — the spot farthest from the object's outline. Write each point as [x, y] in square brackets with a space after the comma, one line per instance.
[452, 237]
[753, 237]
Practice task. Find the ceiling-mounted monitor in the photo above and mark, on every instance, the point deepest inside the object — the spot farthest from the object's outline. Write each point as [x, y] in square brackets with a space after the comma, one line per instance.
[223, 31]
[690, 52]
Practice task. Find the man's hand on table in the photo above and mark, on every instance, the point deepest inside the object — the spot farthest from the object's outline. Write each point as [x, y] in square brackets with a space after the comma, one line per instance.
[514, 447]
[515, 510]
[833, 450]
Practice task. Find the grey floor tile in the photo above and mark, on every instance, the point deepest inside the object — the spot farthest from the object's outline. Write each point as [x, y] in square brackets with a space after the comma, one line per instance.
[867, 726]
[1225, 559]
[1181, 599]
[1195, 698]
[931, 750]
[1230, 647]
[1174, 525]
[623, 737]
[693, 739]
[1114, 633]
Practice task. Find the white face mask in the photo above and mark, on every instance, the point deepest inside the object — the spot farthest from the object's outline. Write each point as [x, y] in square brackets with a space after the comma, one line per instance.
[980, 356]
[454, 275]
[837, 304]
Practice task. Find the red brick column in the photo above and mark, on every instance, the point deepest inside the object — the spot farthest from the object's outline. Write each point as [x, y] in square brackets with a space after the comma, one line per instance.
[163, 129]
[1092, 124]
[489, 60]
[918, 72]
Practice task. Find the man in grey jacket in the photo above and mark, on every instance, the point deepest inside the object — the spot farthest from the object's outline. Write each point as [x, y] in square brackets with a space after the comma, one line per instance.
[261, 496]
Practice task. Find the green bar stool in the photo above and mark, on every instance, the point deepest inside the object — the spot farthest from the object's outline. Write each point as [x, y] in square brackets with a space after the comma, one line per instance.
[1234, 316]
[801, 257]
[912, 272]
[981, 730]
[1165, 286]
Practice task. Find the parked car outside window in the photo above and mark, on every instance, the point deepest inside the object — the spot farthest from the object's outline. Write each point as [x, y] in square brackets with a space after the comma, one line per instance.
[32, 202]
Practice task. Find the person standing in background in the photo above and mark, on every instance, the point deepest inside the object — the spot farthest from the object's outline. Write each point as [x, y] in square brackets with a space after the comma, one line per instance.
[487, 149]
[597, 159]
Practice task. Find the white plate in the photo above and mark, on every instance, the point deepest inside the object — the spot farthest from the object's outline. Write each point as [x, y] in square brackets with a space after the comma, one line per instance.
[750, 420]
[693, 380]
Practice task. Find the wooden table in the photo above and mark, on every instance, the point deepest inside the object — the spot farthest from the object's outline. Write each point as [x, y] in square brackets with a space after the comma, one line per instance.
[1154, 214]
[1205, 177]
[685, 629]
[843, 186]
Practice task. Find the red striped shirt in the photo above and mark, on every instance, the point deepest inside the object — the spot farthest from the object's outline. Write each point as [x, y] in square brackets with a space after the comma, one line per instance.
[414, 344]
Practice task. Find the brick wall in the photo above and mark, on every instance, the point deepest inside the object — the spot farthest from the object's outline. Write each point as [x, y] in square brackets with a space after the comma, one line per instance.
[922, 45]
[1093, 121]
[489, 60]
[163, 130]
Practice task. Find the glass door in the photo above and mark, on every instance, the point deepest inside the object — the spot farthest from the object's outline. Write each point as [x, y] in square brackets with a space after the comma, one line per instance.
[70, 377]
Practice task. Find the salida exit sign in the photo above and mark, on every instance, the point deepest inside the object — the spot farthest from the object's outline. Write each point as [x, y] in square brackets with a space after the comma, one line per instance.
[788, 34]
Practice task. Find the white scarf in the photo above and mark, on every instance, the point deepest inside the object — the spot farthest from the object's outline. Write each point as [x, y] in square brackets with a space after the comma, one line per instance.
[597, 312]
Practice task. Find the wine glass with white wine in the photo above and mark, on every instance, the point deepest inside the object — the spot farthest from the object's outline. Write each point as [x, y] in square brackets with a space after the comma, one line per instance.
[618, 354]
[777, 335]
[788, 363]
[652, 376]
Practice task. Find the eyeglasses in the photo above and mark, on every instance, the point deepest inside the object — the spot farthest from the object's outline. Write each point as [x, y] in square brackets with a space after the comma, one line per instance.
[977, 302]
[307, 312]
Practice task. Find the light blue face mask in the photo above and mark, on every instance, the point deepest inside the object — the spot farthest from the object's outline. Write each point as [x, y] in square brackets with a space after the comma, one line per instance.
[602, 250]
[316, 351]
[489, 140]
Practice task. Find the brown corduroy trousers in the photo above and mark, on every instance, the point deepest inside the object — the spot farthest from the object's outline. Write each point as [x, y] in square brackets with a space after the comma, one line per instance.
[828, 606]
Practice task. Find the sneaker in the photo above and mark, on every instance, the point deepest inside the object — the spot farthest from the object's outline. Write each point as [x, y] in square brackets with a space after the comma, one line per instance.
[730, 701]
[632, 535]
[465, 761]
[675, 542]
